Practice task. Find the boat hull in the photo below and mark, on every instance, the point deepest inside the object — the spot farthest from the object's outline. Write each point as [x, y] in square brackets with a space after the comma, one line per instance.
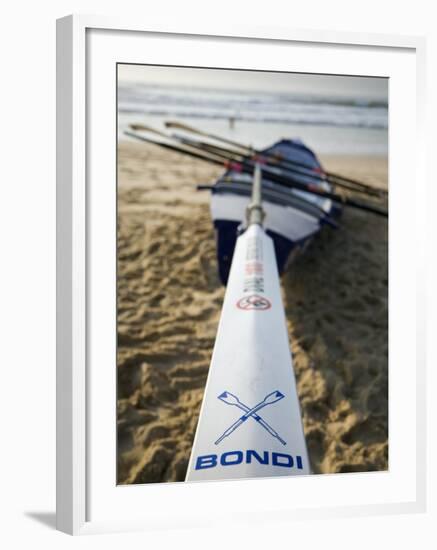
[292, 217]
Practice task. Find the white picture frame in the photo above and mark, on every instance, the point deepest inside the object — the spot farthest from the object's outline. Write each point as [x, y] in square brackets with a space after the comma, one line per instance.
[77, 427]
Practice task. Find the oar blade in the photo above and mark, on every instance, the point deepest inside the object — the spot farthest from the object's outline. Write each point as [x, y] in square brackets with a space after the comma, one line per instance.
[229, 398]
[185, 127]
[251, 362]
[273, 397]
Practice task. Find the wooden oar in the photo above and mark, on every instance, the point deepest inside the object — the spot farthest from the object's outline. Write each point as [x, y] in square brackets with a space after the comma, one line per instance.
[228, 154]
[332, 177]
[186, 128]
[248, 167]
[298, 171]
[233, 155]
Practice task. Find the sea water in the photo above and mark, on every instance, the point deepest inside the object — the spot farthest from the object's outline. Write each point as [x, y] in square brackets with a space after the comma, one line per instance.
[329, 124]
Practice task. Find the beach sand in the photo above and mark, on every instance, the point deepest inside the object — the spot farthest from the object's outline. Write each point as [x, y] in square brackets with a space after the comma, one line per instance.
[169, 303]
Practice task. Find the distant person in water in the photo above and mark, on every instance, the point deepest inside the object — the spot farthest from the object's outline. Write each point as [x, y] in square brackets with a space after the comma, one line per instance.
[231, 122]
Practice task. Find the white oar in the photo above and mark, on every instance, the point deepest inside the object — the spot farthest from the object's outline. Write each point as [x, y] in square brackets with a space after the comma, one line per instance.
[251, 368]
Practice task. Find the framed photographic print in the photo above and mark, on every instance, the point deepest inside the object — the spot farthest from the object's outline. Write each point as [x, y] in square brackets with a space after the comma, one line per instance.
[236, 303]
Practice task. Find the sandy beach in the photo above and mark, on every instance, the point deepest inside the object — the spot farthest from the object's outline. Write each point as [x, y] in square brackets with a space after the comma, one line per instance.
[169, 303]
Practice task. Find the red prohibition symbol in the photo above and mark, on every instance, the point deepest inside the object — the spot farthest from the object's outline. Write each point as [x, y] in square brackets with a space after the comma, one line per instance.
[254, 302]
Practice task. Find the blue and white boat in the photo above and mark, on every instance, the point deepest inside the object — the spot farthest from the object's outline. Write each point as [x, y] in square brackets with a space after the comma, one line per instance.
[293, 216]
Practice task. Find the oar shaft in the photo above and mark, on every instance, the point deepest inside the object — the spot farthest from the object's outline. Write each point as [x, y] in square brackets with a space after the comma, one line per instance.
[271, 431]
[316, 191]
[350, 187]
[255, 212]
[313, 189]
[176, 149]
[231, 429]
[336, 179]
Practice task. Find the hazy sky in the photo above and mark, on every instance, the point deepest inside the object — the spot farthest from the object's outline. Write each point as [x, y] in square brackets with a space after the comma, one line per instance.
[365, 87]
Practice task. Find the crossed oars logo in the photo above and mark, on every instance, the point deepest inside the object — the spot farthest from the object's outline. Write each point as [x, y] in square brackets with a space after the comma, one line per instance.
[269, 399]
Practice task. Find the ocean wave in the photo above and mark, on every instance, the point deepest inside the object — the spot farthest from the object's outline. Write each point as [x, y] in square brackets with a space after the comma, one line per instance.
[297, 120]
[256, 107]
[162, 93]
